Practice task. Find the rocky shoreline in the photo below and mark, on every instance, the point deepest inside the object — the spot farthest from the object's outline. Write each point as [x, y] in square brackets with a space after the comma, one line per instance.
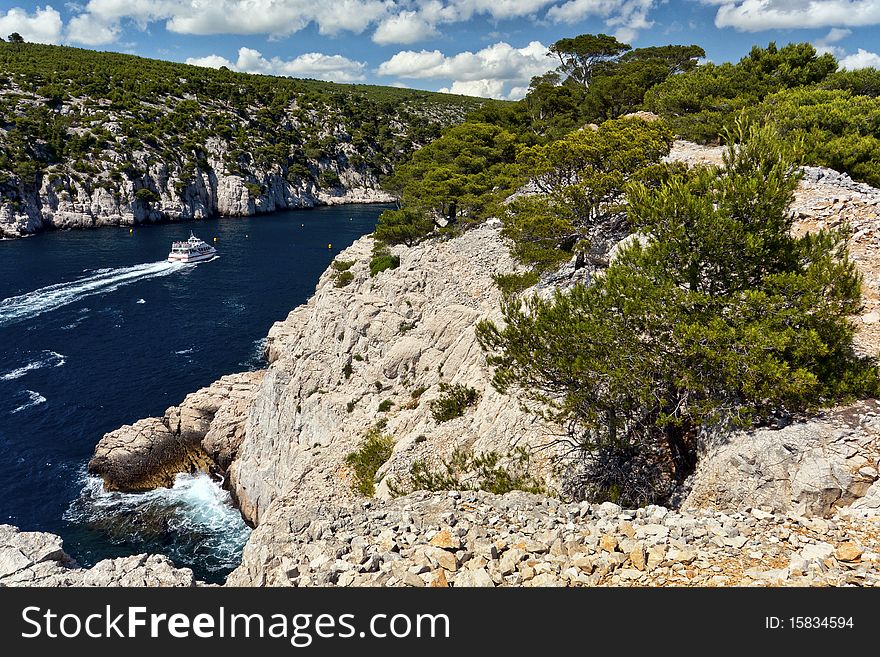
[52, 206]
[798, 505]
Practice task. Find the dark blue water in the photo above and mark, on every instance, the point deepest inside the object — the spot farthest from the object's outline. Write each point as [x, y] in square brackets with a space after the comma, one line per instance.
[96, 331]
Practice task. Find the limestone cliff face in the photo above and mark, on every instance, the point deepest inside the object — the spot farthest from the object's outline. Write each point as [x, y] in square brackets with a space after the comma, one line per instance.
[71, 200]
[394, 338]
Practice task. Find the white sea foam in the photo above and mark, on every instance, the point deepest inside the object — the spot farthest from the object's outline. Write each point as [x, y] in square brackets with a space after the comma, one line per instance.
[256, 358]
[33, 399]
[195, 508]
[140, 301]
[45, 299]
[46, 359]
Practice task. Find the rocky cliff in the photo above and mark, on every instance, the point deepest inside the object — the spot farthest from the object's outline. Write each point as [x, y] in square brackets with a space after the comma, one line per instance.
[796, 505]
[96, 139]
[66, 200]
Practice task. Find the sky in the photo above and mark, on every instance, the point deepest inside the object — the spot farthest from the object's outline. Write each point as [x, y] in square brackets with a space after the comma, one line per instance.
[488, 48]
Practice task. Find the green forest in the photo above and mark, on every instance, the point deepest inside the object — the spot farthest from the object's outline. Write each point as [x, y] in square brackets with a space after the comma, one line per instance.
[104, 117]
[714, 317]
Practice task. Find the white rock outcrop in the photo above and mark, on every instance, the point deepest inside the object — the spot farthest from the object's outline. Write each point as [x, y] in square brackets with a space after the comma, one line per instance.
[38, 559]
[393, 338]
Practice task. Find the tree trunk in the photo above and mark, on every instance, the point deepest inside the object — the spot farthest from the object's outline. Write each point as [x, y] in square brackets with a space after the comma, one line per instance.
[684, 457]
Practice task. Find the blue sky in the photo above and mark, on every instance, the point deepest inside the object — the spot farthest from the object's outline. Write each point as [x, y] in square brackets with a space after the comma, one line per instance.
[479, 47]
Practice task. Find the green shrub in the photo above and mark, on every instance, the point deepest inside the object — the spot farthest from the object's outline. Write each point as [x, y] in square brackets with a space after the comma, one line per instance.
[382, 262]
[349, 407]
[329, 179]
[511, 284]
[453, 401]
[385, 405]
[342, 265]
[403, 327]
[490, 472]
[254, 190]
[382, 259]
[146, 195]
[346, 370]
[418, 392]
[371, 455]
[343, 278]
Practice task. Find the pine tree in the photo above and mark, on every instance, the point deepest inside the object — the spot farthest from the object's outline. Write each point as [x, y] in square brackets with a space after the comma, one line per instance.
[721, 318]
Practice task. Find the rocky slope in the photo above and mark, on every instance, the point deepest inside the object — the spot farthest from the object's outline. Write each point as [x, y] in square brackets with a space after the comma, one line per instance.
[393, 338]
[484, 540]
[797, 505]
[68, 200]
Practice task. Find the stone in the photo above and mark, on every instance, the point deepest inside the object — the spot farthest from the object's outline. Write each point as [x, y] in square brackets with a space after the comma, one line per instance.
[439, 580]
[446, 540]
[848, 551]
[817, 552]
[608, 543]
[656, 556]
[413, 580]
[509, 560]
[638, 558]
[478, 577]
[444, 558]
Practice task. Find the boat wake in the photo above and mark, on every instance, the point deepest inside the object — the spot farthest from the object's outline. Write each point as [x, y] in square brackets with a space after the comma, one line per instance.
[46, 359]
[194, 523]
[33, 399]
[51, 297]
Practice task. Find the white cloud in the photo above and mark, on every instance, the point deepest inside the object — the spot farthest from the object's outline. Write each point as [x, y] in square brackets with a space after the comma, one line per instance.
[624, 17]
[481, 88]
[759, 15]
[396, 21]
[211, 61]
[270, 17]
[861, 59]
[92, 31]
[334, 68]
[825, 44]
[836, 34]
[487, 72]
[43, 26]
[406, 27]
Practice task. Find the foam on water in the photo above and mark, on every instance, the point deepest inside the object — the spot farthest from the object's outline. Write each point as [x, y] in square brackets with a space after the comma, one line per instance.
[33, 399]
[46, 359]
[193, 523]
[45, 299]
[256, 359]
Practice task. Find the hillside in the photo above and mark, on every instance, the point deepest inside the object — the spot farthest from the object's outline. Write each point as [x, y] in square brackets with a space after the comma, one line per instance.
[787, 506]
[90, 138]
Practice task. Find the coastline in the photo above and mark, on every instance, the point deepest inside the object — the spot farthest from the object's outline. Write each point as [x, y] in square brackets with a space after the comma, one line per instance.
[354, 196]
[411, 328]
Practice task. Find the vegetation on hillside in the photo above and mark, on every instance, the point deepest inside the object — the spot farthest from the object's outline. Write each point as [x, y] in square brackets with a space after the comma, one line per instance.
[720, 318]
[102, 118]
[713, 316]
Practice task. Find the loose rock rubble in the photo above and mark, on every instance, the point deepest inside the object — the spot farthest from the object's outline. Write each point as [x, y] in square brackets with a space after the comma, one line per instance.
[484, 540]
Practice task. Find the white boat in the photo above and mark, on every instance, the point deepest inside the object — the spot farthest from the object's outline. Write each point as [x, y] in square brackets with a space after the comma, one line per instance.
[192, 250]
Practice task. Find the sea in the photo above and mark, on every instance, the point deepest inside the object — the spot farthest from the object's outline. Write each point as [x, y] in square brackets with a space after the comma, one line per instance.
[98, 330]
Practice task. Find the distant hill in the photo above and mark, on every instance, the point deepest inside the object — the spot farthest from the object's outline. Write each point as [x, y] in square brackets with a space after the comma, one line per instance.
[92, 138]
